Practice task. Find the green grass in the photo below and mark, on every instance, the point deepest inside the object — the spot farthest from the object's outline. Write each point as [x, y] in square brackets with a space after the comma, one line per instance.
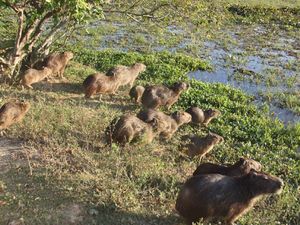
[289, 100]
[71, 163]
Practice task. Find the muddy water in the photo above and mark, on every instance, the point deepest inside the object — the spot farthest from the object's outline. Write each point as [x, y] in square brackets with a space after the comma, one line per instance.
[275, 58]
[224, 73]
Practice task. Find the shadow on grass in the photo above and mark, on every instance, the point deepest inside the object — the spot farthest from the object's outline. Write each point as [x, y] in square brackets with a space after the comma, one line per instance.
[72, 88]
[40, 199]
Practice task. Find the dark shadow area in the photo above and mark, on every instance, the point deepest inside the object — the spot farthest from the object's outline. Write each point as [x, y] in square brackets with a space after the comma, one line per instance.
[73, 88]
[40, 200]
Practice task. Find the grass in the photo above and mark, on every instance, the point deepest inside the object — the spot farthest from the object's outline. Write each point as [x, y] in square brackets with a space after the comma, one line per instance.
[289, 100]
[71, 163]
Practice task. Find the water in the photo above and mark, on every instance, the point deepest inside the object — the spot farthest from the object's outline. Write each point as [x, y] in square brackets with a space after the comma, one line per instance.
[266, 61]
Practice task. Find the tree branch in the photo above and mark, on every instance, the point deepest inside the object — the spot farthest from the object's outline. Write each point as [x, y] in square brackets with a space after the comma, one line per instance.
[20, 29]
[51, 34]
[36, 28]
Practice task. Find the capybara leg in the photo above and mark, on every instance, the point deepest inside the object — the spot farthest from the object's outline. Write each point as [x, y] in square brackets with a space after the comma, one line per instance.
[29, 86]
[61, 72]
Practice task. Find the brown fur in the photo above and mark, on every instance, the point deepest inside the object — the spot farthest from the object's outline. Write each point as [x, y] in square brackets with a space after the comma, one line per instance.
[127, 75]
[136, 93]
[200, 116]
[129, 128]
[12, 112]
[223, 197]
[202, 145]
[167, 125]
[159, 95]
[240, 168]
[58, 62]
[99, 83]
[32, 76]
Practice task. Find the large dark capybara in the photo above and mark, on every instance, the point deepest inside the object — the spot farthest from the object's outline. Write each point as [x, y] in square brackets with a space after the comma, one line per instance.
[240, 168]
[202, 145]
[215, 196]
[159, 95]
[129, 128]
[167, 125]
[204, 117]
[136, 93]
[32, 76]
[12, 112]
[99, 83]
[58, 62]
[127, 75]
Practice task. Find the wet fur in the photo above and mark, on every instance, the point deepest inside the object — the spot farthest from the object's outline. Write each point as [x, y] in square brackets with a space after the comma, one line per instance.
[240, 168]
[223, 197]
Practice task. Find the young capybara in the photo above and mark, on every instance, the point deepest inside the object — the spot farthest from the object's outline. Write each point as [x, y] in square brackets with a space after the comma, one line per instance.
[202, 145]
[99, 83]
[167, 125]
[200, 116]
[136, 93]
[240, 168]
[129, 128]
[159, 95]
[58, 62]
[32, 76]
[127, 75]
[215, 196]
[12, 112]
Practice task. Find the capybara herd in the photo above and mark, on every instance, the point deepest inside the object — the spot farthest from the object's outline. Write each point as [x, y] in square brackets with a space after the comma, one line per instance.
[213, 191]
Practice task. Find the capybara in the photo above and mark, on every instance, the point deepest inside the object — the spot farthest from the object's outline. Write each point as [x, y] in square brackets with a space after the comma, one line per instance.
[200, 116]
[58, 62]
[215, 196]
[127, 75]
[240, 168]
[12, 112]
[159, 95]
[136, 93]
[167, 125]
[32, 76]
[202, 145]
[129, 128]
[99, 83]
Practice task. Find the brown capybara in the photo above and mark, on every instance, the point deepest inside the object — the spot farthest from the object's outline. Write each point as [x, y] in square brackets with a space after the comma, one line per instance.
[32, 76]
[12, 112]
[166, 125]
[136, 93]
[99, 83]
[202, 145]
[200, 116]
[159, 95]
[240, 168]
[127, 75]
[215, 196]
[129, 128]
[58, 62]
